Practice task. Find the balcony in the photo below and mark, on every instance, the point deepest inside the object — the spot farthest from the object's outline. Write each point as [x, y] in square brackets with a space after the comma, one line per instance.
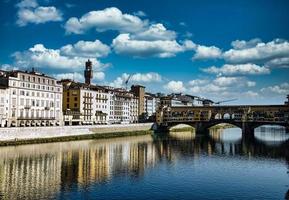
[27, 107]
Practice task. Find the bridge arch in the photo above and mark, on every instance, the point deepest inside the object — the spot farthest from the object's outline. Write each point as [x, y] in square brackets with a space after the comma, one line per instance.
[176, 124]
[210, 125]
[259, 124]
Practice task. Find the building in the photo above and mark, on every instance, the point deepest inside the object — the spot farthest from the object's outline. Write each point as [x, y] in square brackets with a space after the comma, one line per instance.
[33, 99]
[3, 106]
[139, 91]
[85, 103]
[287, 102]
[123, 106]
[150, 104]
[179, 99]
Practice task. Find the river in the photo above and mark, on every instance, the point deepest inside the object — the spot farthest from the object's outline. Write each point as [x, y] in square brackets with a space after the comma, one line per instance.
[177, 166]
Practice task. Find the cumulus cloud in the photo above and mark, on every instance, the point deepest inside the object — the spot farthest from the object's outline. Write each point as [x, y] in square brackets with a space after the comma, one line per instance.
[30, 12]
[207, 52]
[7, 67]
[175, 86]
[103, 20]
[227, 81]
[41, 57]
[155, 32]
[222, 87]
[242, 44]
[257, 51]
[89, 49]
[124, 44]
[76, 76]
[241, 69]
[140, 13]
[27, 4]
[150, 77]
[278, 63]
[282, 89]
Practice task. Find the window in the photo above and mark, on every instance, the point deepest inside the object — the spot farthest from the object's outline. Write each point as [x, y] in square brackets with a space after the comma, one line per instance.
[75, 105]
[75, 98]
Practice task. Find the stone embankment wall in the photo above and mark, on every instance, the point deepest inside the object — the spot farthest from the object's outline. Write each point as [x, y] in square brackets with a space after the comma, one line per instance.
[30, 133]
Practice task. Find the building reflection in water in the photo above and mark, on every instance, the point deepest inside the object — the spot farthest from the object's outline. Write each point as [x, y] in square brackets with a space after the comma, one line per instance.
[43, 171]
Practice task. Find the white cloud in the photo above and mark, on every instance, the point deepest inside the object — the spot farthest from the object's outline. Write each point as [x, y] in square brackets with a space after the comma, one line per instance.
[227, 81]
[251, 84]
[278, 63]
[242, 44]
[140, 13]
[89, 49]
[221, 87]
[282, 89]
[150, 77]
[250, 94]
[155, 32]
[7, 67]
[241, 69]
[197, 82]
[30, 12]
[257, 51]
[175, 86]
[27, 4]
[205, 52]
[41, 57]
[103, 20]
[124, 44]
[76, 76]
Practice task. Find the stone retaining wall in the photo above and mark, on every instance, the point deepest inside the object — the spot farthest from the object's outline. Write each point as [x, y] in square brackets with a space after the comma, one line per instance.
[28, 133]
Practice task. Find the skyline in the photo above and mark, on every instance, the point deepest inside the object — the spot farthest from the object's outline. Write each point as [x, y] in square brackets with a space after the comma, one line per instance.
[213, 50]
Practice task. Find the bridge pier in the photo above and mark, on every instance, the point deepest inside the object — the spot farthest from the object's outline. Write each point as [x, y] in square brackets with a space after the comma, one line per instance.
[201, 129]
[247, 130]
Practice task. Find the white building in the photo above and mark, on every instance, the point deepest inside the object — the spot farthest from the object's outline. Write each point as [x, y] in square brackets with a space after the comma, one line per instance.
[4, 103]
[123, 107]
[34, 99]
[150, 104]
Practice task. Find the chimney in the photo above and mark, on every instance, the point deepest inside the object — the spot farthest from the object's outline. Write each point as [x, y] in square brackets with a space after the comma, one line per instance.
[88, 72]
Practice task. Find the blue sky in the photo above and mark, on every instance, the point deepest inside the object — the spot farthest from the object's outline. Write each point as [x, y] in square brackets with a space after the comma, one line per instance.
[214, 49]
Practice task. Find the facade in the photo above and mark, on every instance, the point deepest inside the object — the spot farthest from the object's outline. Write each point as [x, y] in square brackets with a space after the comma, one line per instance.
[4, 103]
[85, 104]
[179, 99]
[139, 91]
[123, 107]
[150, 104]
[33, 99]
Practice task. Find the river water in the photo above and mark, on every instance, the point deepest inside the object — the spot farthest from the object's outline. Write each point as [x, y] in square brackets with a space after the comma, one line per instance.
[176, 166]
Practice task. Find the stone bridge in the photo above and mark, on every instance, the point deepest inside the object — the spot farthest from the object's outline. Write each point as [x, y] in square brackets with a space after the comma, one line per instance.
[246, 117]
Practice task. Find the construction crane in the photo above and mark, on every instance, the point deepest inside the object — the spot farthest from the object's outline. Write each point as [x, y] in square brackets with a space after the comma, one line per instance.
[126, 82]
[219, 102]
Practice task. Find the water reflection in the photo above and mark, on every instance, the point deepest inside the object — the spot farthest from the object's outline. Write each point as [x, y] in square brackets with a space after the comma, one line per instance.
[271, 135]
[46, 171]
[226, 134]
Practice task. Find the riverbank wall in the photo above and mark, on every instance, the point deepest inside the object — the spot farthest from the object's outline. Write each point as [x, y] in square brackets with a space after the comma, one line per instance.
[29, 135]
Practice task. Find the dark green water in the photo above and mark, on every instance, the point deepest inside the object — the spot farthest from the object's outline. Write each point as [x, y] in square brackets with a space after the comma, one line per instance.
[180, 166]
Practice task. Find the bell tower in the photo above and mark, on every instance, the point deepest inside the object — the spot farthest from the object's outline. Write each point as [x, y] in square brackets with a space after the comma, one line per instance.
[88, 72]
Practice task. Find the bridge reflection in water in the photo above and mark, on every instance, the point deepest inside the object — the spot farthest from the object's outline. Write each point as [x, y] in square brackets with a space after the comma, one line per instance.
[47, 171]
